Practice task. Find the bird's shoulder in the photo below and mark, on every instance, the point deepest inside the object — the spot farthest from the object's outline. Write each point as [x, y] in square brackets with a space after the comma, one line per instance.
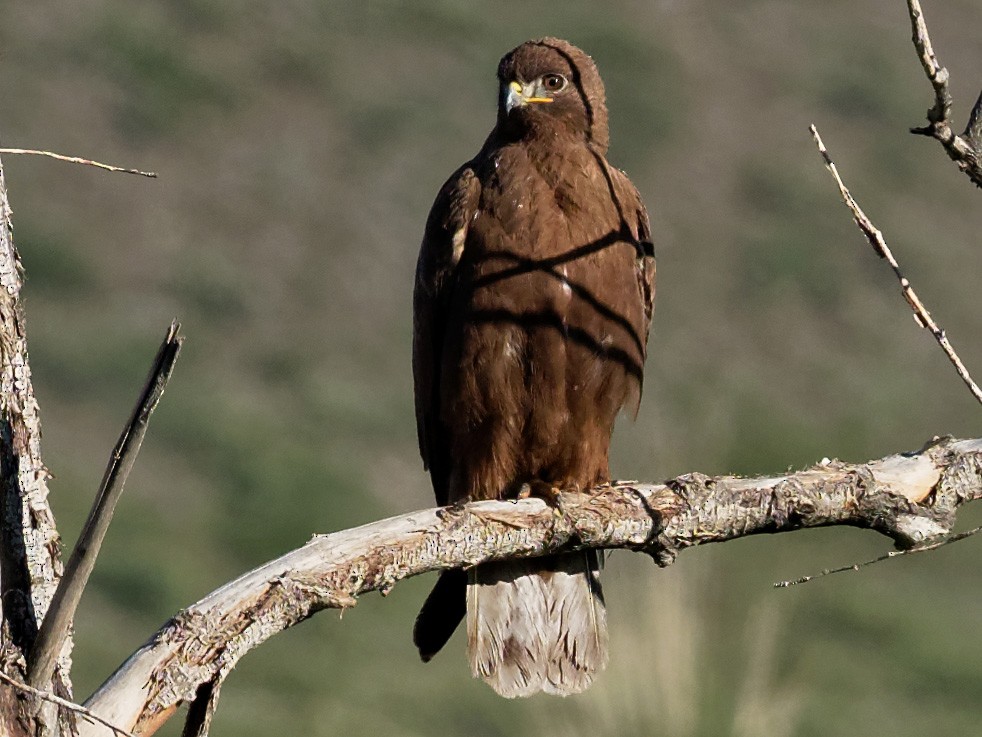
[446, 226]
[454, 203]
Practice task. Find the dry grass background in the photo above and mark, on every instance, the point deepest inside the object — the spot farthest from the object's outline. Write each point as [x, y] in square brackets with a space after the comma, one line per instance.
[300, 145]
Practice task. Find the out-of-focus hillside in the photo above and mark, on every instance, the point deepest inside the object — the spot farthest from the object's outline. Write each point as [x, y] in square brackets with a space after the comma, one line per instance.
[299, 146]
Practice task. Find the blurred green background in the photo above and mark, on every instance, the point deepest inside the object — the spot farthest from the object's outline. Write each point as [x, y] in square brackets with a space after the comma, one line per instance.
[299, 146]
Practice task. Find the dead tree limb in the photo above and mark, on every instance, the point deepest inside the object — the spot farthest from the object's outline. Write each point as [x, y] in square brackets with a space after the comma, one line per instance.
[965, 149]
[58, 622]
[30, 549]
[912, 498]
[875, 237]
[63, 703]
[77, 160]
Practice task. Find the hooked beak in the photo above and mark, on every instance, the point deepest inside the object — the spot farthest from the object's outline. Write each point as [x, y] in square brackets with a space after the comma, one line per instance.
[517, 95]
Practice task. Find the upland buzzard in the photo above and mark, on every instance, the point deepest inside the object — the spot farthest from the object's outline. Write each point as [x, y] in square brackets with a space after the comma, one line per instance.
[533, 296]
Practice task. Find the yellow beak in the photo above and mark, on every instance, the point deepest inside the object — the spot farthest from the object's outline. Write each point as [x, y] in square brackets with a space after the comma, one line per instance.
[518, 96]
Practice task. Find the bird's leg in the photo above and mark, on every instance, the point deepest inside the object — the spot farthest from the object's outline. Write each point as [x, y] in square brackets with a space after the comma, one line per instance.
[549, 493]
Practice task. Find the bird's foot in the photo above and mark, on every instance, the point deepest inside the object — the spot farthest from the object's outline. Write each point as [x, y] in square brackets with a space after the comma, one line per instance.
[552, 495]
[549, 493]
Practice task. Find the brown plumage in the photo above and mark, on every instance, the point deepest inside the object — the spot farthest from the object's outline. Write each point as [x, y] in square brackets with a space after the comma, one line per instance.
[533, 296]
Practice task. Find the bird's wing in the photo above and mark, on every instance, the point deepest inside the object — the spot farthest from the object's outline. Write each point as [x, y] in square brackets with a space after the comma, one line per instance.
[443, 245]
[645, 261]
[635, 219]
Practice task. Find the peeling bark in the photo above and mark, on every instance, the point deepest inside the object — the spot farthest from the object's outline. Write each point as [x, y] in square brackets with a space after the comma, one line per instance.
[30, 565]
[912, 498]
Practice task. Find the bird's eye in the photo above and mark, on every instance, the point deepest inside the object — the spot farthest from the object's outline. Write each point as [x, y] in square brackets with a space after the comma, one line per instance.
[553, 82]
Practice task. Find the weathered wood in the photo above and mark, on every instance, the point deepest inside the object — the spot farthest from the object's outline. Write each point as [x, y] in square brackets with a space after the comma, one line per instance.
[57, 625]
[29, 544]
[965, 149]
[912, 498]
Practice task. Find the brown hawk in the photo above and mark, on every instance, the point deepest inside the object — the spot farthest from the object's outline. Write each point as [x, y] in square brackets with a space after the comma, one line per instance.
[533, 296]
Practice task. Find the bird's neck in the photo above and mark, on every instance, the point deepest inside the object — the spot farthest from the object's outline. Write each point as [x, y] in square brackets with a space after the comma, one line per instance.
[548, 147]
[547, 134]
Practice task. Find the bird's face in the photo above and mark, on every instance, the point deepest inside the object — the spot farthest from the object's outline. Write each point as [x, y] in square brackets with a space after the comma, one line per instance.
[543, 90]
[550, 84]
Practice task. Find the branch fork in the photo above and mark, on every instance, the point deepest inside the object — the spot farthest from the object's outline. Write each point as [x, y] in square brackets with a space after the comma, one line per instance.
[965, 149]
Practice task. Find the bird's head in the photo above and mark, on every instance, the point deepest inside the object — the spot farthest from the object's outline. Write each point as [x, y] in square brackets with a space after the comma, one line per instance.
[548, 83]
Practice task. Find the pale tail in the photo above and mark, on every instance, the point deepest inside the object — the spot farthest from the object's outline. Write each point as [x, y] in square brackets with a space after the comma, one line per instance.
[537, 625]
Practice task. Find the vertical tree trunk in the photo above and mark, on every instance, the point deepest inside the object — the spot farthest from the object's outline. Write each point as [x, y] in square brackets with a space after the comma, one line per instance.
[30, 564]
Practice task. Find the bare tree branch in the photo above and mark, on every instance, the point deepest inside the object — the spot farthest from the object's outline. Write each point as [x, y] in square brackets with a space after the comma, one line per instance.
[965, 150]
[63, 703]
[58, 622]
[879, 244]
[77, 160]
[926, 547]
[911, 497]
[30, 549]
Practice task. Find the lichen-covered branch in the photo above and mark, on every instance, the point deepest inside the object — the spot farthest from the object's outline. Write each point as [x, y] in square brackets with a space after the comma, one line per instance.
[965, 149]
[911, 497]
[29, 544]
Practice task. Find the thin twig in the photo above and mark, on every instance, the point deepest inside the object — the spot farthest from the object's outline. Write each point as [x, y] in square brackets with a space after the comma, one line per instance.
[886, 556]
[936, 73]
[70, 705]
[58, 620]
[77, 160]
[965, 150]
[875, 238]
